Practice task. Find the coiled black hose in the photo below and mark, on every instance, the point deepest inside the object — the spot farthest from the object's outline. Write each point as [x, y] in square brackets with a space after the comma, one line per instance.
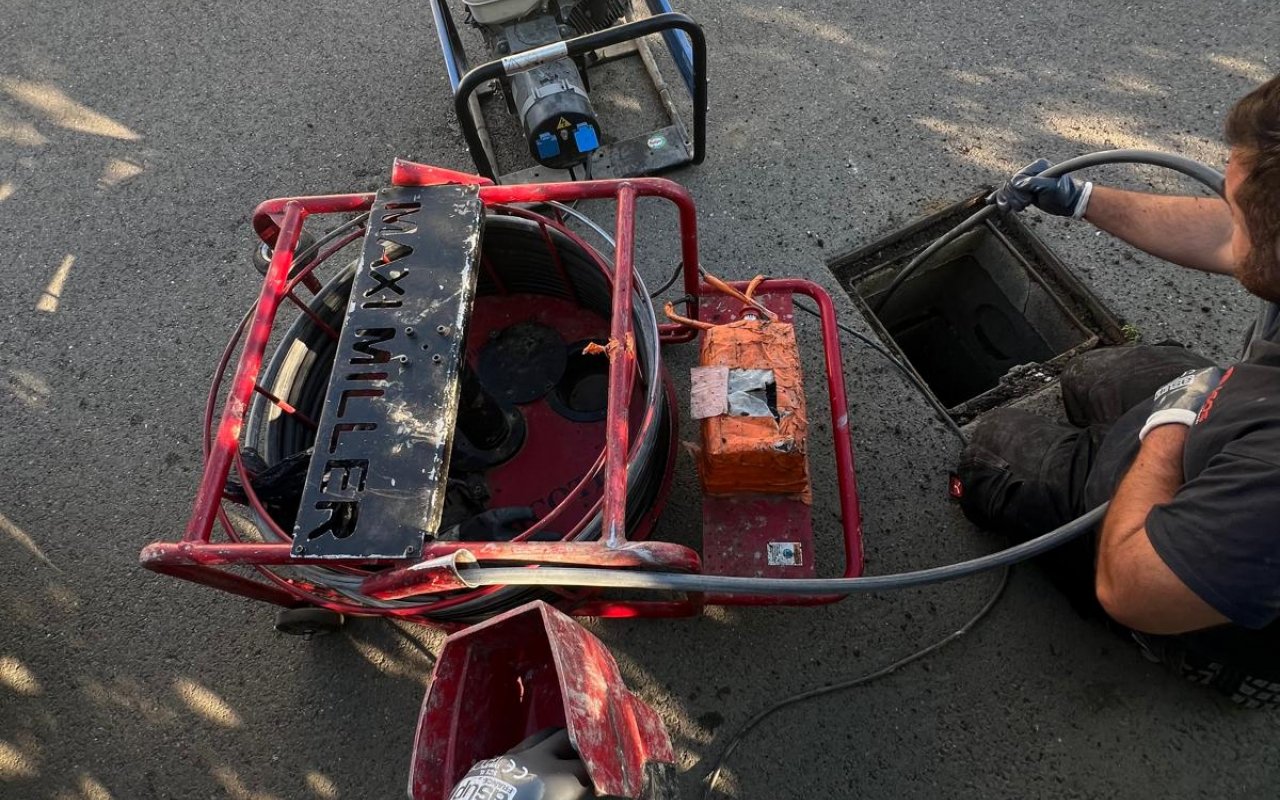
[298, 371]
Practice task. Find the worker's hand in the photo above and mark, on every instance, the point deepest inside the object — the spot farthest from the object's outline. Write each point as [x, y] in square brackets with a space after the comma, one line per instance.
[1179, 401]
[1063, 197]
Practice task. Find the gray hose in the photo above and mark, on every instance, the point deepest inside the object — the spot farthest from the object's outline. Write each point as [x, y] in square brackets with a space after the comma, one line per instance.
[723, 584]
[1207, 175]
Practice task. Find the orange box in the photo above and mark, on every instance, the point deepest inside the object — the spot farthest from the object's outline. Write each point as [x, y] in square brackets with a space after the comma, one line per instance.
[756, 454]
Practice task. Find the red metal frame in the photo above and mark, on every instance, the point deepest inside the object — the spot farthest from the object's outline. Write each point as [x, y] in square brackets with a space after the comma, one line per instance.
[197, 557]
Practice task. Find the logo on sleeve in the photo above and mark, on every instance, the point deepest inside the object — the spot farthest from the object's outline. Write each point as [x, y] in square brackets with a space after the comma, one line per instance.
[1208, 403]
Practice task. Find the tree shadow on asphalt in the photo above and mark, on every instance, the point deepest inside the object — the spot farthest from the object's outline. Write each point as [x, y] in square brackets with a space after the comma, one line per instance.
[122, 684]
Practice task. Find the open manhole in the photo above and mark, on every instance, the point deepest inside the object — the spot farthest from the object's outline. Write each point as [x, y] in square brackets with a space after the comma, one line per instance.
[991, 318]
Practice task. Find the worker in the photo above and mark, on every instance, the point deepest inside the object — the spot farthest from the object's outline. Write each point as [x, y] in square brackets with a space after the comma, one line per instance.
[1187, 558]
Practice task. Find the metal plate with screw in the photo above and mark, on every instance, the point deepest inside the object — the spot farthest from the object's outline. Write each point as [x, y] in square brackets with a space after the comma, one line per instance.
[785, 554]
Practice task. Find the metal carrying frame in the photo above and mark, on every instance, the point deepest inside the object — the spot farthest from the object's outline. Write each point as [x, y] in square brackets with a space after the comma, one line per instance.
[647, 154]
[199, 558]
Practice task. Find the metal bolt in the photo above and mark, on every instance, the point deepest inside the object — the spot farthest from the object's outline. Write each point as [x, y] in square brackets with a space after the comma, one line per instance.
[403, 359]
[443, 330]
[408, 330]
[436, 358]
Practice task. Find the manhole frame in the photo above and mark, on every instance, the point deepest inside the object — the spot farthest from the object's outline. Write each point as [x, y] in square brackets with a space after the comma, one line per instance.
[896, 248]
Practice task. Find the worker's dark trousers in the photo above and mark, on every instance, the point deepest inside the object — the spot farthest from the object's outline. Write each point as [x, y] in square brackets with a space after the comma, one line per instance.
[1023, 475]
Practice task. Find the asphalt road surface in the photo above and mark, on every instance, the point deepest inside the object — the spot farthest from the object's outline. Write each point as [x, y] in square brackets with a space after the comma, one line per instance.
[135, 138]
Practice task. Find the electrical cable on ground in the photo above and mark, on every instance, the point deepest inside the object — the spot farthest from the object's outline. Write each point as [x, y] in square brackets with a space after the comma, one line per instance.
[412, 641]
[675, 276]
[738, 737]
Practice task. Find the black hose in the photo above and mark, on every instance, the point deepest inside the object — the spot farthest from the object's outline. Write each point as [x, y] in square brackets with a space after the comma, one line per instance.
[725, 584]
[299, 369]
[1206, 175]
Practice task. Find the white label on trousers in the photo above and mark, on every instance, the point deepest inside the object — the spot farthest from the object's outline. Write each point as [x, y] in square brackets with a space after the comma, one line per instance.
[483, 787]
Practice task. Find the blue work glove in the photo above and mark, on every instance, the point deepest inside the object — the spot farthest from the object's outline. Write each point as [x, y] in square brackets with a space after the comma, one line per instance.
[1179, 401]
[1063, 197]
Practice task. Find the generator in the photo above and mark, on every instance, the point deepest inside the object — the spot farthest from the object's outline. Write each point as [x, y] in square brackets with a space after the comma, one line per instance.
[541, 55]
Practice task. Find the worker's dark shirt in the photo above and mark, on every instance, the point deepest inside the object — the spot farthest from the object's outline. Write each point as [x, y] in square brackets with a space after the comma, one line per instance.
[1221, 532]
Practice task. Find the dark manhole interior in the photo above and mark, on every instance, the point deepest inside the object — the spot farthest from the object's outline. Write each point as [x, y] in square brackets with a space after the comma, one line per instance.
[989, 319]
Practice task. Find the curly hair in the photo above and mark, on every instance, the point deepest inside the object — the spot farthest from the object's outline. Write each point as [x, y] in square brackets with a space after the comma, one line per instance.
[1253, 128]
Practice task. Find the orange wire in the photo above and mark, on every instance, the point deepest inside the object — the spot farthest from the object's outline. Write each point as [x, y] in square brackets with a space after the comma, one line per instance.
[670, 311]
[720, 285]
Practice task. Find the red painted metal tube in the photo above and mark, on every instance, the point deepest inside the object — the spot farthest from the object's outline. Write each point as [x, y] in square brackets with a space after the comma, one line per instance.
[219, 554]
[411, 173]
[622, 357]
[414, 580]
[225, 446]
[666, 556]
[846, 474]
[227, 582]
[268, 217]
[595, 190]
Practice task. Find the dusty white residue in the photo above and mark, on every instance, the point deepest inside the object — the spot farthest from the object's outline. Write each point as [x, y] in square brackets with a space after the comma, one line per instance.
[467, 295]
[472, 244]
[411, 430]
